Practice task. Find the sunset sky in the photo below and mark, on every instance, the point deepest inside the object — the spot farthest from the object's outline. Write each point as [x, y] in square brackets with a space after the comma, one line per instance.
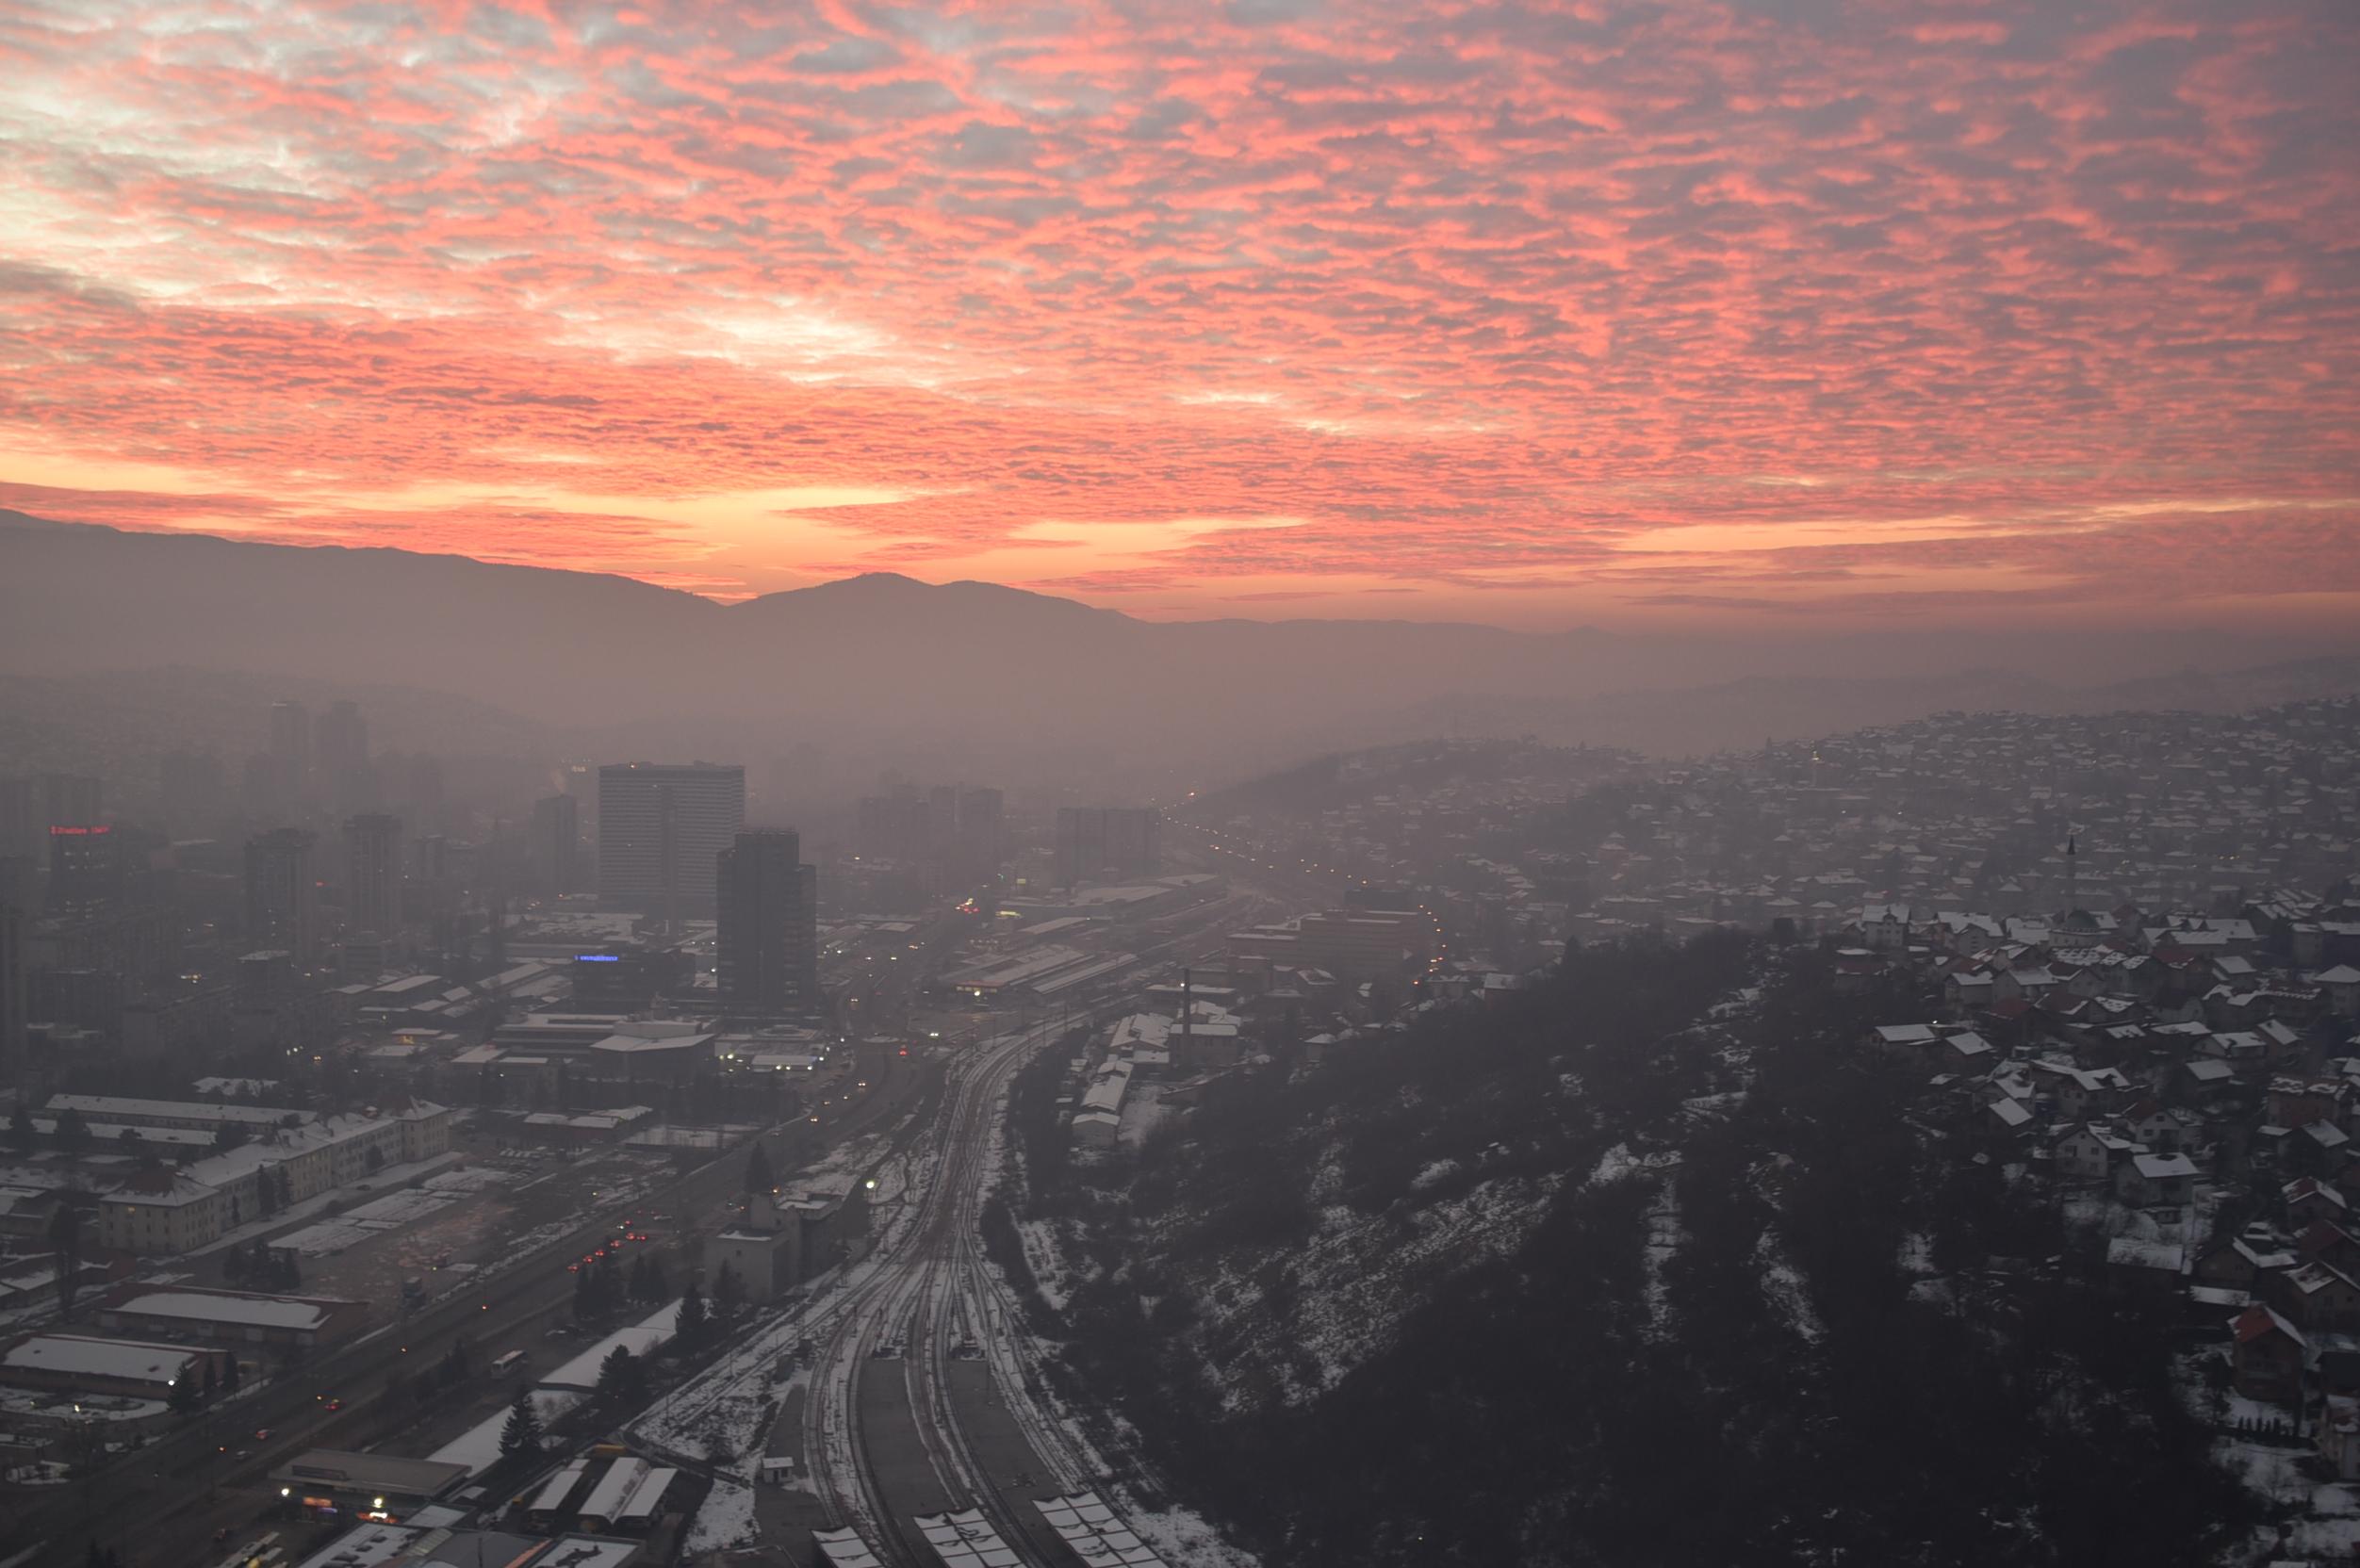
[1765, 314]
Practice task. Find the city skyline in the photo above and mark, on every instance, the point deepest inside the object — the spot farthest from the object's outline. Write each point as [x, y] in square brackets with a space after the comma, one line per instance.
[1755, 317]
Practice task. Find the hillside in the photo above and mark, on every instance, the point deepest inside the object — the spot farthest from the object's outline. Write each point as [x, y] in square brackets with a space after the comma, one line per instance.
[983, 680]
[1612, 1273]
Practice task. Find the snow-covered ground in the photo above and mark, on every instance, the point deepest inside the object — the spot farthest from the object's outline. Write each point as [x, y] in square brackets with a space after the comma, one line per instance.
[726, 1519]
[1784, 1288]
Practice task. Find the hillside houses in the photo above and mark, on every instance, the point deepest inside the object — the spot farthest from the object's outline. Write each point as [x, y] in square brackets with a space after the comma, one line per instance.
[2181, 1084]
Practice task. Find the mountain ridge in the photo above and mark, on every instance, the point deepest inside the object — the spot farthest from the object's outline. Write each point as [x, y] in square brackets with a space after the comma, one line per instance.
[978, 679]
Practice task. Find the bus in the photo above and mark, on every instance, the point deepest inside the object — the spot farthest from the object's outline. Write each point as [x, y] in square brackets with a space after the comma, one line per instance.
[502, 1365]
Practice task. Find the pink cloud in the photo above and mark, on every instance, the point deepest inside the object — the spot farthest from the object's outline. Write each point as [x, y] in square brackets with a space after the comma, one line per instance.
[1476, 298]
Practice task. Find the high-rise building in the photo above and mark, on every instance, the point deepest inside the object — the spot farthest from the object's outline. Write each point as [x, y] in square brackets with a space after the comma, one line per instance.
[340, 756]
[71, 799]
[191, 786]
[1122, 841]
[660, 827]
[767, 937]
[21, 824]
[291, 741]
[556, 844]
[14, 983]
[86, 868]
[372, 873]
[892, 827]
[341, 740]
[980, 844]
[283, 893]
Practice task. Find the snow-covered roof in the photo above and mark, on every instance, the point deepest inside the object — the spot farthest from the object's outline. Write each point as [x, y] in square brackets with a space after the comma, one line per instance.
[649, 1335]
[71, 1355]
[268, 1311]
[615, 1487]
[845, 1549]
[966, 1540]
[1094, 1533]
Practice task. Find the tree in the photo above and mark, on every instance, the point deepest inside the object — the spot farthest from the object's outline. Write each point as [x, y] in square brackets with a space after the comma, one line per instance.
[622, 1380]
[758, 1174]
[454, 1363]
[657, 1290]
[694, 1324]
[610, 1282]
[73, 1132]
[212, 1379]
[23, 1135]
[728, 1289]
[228, 1136]
[230, 1375]
[185, 1396]
[522, 1434]
[65, 1240]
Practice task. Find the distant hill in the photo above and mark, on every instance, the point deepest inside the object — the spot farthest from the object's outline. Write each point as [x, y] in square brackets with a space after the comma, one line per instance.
[955, 679]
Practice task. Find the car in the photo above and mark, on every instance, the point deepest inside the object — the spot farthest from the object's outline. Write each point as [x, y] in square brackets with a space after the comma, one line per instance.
[328, 1403]
[262, 1434]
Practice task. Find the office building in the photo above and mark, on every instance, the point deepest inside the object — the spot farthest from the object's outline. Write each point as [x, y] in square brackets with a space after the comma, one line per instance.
[892, 827]
[339, 757]
[1103, 841]
[372, 874]
[283, 893]
[766, 939]
[290, 737]
[15, 985]
[192, 789]
[86, 868]
[68, 799]
[340, 741]
[21, 824]
[1352, 944]
[660, 827]
[556, 846]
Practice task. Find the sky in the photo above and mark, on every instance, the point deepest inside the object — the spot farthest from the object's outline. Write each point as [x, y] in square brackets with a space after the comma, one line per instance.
[1769, 315]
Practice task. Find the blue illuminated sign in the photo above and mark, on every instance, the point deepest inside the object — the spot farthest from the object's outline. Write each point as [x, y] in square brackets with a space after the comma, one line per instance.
[597, 959]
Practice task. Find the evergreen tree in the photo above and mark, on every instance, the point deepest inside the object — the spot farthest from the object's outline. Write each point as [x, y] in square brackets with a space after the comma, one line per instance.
[230, 1375]
[610, 1287]
[22, 1133]
[656, 1289]
[694, 1324]
[621, 1378]
[73, 1132]
[757, 1175]
[728, 1289]
[522, 1434]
